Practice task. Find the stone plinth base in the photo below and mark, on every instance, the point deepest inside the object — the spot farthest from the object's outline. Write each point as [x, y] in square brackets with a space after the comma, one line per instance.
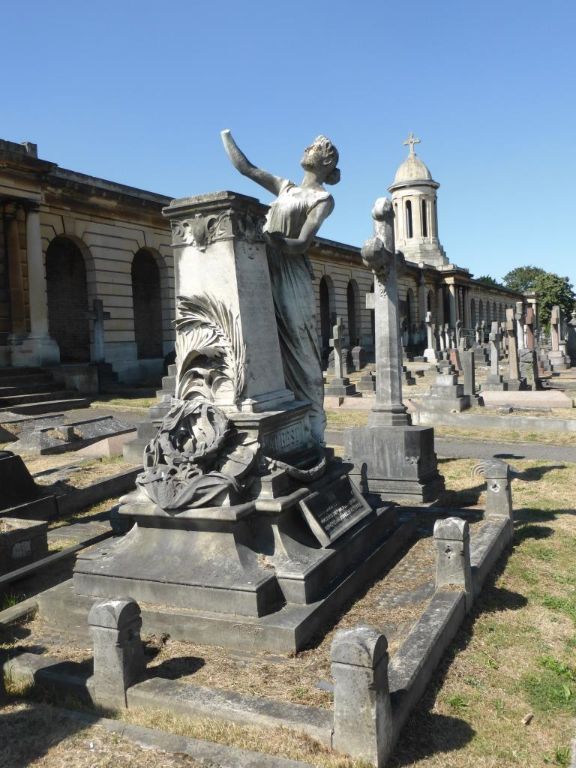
[262, 562]
[286, 630]
[339, 388]
[516, 385]
[35, 351]
[558, 361]
[396, 463]
[494, 383]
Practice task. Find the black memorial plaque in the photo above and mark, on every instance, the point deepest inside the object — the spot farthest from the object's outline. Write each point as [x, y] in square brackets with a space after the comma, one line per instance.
[334, 510]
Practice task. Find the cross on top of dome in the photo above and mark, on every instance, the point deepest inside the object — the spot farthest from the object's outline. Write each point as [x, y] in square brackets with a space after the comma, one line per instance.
[410, 141]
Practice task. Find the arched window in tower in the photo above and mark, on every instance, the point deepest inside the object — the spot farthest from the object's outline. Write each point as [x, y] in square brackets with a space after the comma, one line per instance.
[424, 219]
[409, 227]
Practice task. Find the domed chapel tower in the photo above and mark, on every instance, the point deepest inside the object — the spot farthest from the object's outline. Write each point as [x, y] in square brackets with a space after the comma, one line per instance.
[416, 218]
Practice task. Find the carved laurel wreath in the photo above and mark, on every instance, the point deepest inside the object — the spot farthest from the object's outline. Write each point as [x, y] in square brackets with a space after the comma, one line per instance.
[210, 352]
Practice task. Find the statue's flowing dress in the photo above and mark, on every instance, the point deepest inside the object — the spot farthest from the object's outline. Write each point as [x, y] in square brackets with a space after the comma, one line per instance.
[294, 301]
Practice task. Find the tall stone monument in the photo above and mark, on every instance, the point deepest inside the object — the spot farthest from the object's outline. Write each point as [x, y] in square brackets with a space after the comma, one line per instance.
[430, 352]
[246, 531]
[515, 381]
[494, 380]
[571, 338]
[557, 358]
[391, 457]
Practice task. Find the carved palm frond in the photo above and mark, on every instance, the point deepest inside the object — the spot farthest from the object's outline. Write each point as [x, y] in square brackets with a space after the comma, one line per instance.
[206, 326]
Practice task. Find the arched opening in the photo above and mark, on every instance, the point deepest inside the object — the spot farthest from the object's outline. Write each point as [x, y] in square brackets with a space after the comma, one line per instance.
[68, 300]
[409, 227]
[473, 313]
[424, 219]
[352, 304]
[430, 303]
[147, 305]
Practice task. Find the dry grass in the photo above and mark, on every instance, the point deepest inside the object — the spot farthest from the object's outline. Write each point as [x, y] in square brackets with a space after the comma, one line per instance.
[515, 655]
[59, 742]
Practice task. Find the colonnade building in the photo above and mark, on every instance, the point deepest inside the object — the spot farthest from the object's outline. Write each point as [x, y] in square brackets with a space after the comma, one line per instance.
[86, 270]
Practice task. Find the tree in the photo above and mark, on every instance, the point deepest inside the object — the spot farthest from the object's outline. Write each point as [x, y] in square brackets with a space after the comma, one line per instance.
[552, 289]
[522, 279]
[487, 279]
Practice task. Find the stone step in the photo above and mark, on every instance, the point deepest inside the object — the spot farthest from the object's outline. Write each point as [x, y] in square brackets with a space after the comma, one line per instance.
[36, 397]
[48, 406]
[28, 388]
[24, 371]
[25, 380]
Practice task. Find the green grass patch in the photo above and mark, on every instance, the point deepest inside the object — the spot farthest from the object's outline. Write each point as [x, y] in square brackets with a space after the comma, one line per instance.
[552, 687]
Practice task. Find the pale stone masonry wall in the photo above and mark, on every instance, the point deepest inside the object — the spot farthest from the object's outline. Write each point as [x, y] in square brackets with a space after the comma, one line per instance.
[108, 247]
[109, 224]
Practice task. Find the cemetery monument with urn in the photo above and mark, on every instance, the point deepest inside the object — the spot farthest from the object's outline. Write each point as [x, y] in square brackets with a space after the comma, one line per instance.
[246, 531]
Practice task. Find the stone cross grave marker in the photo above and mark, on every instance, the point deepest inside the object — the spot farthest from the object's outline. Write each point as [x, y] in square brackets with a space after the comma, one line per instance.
[97, 315]
[555, 328]
[513, 367]
[494, 339]
[447, 340]
[336, 344]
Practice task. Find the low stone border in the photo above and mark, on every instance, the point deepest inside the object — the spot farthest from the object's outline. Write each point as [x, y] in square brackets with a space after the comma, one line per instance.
[373, 696]
[204, 751]
[92, 494]
[40, 565]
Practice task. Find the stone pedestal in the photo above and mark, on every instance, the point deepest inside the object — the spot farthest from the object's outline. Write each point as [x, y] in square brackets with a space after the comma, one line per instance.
[220, 257]
[395, 463]
[558, 360]
[494, 383]
[446, 395]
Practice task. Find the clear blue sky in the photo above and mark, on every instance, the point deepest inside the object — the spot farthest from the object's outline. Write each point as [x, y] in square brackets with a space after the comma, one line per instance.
[137, 92]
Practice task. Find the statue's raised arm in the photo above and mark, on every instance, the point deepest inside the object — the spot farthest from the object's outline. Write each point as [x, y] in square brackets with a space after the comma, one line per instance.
[292, 222]
[246, 168]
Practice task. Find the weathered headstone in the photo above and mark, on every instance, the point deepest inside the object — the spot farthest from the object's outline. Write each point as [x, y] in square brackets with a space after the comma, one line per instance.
[519, 317]
[430, 351]
[556, 356]
[391, 457]
[339, 385]
[469, 372]
[97, 316]
[494, 381]
[514, 380]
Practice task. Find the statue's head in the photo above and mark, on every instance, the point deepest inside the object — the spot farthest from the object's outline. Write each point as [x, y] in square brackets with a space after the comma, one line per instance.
[322, 156]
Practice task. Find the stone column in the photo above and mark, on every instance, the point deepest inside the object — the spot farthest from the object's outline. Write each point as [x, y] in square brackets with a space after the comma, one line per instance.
[513, 365]
[498, 491]
[363, 723]
[15, 279]
[453, 568]
[38, 348]
[453, 305]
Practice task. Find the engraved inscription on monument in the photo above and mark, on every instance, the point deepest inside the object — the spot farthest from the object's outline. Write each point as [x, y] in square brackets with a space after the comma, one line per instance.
[334, 510]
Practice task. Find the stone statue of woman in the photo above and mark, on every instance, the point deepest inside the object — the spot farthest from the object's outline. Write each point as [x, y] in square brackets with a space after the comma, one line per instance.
[293, 220]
